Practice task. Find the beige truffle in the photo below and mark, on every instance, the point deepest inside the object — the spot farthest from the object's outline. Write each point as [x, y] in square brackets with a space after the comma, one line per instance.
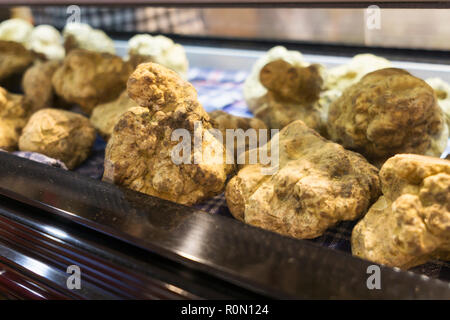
[223, 121]
[17, 30]
[159, 49]
[105, 116]
[14, 112]
[253, 89]
[83, 36]
[410, 223]
[37, 85]
[292, 94]
[388, 112]
[141, 154]
[59, 134]
[14, 58]
[318, 183]
[46, 40]
[90, 78]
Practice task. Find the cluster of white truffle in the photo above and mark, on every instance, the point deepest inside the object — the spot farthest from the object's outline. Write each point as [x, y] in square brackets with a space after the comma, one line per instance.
[43, 39]
[48, 41]
[161, 50]
[336, 80]
[88, 38]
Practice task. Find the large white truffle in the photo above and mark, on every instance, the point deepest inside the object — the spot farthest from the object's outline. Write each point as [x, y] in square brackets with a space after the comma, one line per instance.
[343, 76]
[159, 49]
[47, 40]
[17, 30]
[339, 78]
[85, 37]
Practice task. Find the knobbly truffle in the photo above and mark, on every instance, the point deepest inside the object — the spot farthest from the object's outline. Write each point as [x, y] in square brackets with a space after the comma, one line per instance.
[14, 113]
[141, 153]
[388, 112]
[292, 94]
[90, 78]
[105, 116]
[318, 183]
[59, 134]
[14, 59]
[37, 85]
[410, 223]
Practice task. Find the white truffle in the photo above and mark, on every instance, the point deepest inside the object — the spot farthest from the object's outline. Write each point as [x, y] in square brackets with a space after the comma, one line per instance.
[442, 90]
[88, 38]
[339, 78]
[161, 50]
[47, 40]
[253, 89]
[17, 30]
[343, 76]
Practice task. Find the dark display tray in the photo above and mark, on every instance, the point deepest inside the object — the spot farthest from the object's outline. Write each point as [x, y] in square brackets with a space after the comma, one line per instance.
[102, 224]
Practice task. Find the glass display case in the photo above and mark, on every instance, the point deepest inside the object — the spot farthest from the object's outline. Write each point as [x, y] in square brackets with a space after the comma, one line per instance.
[63, 215]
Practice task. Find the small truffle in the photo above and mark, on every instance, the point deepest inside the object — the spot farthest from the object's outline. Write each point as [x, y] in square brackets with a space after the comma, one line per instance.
[318, 184]
[90, 78]
[291, 91]
[37, 85]
[292, 94]
[410, 223]
[47, 40]
[253, 89]
[14, 59]
[223, 121]
[14, 113]
[388, 112]
[105, 116]
[17, 30]
[59, 134]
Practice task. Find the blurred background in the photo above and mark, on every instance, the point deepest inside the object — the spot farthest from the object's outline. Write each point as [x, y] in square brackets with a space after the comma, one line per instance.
[406, 28]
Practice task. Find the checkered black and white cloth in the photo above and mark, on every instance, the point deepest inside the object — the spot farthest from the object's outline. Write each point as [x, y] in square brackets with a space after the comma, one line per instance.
[140, 19]
[223, 90]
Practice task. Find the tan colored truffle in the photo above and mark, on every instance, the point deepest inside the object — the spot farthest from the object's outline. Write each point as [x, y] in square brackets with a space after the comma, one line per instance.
[90, 78]
[223, 121]
[289, 82]
[14, 112]
[59, 134]
[388, 112]
[318, 184]
[37, 85]
[14, 58]
[410, 223]
[105, 116]
[292, 94]
[141, 153]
